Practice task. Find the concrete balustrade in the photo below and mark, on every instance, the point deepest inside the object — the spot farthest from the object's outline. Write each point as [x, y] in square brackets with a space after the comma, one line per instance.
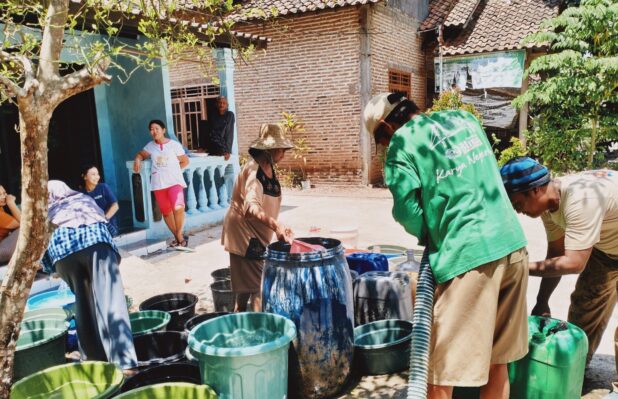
[209, 180]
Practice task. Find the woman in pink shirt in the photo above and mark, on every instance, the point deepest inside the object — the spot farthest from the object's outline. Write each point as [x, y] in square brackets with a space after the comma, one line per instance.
[166, 179]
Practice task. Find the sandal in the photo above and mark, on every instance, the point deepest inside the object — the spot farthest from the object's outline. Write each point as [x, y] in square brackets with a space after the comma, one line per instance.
[173, 244]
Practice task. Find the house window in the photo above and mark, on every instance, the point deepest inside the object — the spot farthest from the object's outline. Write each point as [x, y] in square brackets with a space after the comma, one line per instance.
[399, 82]
[189, 107]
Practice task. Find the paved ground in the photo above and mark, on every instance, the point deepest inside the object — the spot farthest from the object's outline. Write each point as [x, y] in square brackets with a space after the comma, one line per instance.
[320, 211]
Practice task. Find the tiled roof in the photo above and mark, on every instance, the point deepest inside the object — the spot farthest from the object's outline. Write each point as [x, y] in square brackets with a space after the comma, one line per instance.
[461, 13]
[438, 11]
[499, 25]
[263, 8]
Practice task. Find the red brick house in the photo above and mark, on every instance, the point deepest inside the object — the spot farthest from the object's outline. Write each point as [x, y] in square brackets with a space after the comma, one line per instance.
[480, 43]
[324, 61]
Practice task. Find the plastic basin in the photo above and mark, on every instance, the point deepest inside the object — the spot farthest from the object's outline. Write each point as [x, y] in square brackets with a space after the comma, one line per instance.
[51, 299]
[388, 250]
[244, 355]
[41, 344]
[383, 347]
[195, 320]
[48, 314]
[160, 348]
[222, 296]
[146, 321]
[221, 274]
[176, 372]
[180, 305]
[171, 390]
[96, 380]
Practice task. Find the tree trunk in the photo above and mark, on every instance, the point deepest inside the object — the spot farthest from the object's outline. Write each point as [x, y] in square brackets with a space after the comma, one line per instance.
[34, 123]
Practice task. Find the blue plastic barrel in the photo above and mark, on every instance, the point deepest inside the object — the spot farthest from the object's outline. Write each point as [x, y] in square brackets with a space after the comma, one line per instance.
[314, 290]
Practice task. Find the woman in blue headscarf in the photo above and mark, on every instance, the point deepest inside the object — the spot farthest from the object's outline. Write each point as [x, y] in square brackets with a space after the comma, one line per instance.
[82, 251]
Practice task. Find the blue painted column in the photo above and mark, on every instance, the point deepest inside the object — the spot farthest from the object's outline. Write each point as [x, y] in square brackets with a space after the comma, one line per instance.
[225, 68]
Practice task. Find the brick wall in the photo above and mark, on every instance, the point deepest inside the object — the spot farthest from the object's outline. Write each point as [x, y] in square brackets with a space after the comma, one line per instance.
[396, 45]
[312, 68]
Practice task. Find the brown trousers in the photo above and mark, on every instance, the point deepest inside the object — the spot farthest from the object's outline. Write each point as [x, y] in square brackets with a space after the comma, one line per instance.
[594, 298]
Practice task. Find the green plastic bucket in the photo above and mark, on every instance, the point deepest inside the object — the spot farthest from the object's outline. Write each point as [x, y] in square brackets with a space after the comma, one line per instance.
[48, 314]
[147, 321]
[169, 390]
[244, 355]
[93, 380]
[41, 344]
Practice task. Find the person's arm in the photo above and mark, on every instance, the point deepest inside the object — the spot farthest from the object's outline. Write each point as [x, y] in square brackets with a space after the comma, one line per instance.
[15, 212]
[572, 262]
[253, 210]
[403, 181]
[139, 157]
[548, 284]
[110, 198]
[184, 161]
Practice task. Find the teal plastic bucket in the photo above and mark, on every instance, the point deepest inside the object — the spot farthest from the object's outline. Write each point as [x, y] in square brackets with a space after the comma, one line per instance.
[169, 390]
[41, 344]
[244, 355]
[93, 380]
[147, 321]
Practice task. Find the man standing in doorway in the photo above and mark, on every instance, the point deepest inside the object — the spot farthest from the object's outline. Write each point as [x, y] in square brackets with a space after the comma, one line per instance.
[580, 215]
[448, 193]
[220, 128]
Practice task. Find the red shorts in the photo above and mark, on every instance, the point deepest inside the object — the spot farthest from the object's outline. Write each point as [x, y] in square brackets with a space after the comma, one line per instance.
[170, 198]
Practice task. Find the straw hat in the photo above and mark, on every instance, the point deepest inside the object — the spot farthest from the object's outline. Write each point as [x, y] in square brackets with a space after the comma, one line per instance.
[271, 137]
[378, 109]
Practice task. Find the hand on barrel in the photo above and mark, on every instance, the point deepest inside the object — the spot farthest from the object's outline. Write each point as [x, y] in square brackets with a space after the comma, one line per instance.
[284, 233]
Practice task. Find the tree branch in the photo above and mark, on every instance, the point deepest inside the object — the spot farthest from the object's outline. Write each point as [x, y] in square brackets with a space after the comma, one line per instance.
[82, 80]
[53, 36]
[12, 88]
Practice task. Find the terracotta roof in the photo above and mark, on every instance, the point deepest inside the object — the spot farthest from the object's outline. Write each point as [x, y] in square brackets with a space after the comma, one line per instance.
[438, 11]
[501, 25]
[461, 13]
[252, 9]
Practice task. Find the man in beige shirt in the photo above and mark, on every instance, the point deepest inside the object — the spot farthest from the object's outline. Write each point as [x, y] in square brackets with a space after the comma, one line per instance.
[580, 215]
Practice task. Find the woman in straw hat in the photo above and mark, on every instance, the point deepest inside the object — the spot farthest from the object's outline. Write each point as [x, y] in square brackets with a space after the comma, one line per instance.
[252, 217]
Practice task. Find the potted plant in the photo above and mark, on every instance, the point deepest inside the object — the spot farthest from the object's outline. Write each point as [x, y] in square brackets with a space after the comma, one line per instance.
[293, 126]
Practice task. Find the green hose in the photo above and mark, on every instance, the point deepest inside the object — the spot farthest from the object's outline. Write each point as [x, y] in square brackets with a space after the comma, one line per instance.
[421, 332]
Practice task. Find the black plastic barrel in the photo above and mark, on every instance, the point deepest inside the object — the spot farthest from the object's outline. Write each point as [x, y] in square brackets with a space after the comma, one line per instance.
[180, 305]
[222, 296]
[161, 347]
[221, 274]
[195, 320]
[175, 372]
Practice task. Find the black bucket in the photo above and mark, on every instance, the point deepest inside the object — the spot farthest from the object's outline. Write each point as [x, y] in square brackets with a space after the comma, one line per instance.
[176, 372]
[221, 274]
[161, 347]
[195, 320]
[222, 296]
[180, 305]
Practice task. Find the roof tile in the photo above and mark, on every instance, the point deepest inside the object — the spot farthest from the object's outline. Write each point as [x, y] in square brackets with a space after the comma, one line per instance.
[285, 7]
[500, 25]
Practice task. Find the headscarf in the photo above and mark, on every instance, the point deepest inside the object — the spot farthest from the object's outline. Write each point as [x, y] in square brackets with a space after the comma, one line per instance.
[69, 208]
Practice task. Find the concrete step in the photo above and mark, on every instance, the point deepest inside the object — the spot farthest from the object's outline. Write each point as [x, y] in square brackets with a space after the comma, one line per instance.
[144, 247]
[130, 237]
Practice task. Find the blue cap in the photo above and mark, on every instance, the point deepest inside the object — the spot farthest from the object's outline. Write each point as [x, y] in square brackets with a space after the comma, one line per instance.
[522, 174]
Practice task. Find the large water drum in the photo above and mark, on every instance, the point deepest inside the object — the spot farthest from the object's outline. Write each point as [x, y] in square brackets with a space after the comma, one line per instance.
[314, 290]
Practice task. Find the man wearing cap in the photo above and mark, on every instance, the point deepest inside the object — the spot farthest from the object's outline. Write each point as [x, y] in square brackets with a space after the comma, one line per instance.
[580, 215]
[448, 193]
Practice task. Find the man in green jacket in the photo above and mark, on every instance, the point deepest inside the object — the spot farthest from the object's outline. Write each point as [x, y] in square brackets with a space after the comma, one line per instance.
[580, 215]
[448, 193]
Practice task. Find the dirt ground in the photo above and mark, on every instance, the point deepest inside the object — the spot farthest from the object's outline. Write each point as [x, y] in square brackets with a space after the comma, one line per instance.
[313, 213]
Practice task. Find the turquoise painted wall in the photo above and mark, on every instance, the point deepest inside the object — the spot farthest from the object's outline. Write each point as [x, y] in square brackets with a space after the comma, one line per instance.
[123, 112]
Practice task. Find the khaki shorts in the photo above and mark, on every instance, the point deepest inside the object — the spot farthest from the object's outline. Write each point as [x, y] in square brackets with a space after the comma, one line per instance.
[480, 318]
[246, 274]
